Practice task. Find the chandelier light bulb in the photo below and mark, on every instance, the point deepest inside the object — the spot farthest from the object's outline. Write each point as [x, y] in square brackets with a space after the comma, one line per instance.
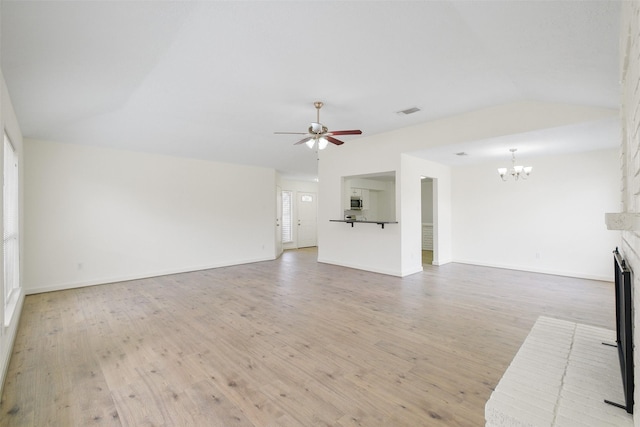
[310, 143]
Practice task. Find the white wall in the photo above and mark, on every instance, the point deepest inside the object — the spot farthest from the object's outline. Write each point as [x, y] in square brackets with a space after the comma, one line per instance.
[551, 223]
[9, 123]
[297, 187]
[385, 204]
[396, 249]
[413, 168]
[392, 251]
[96, 215]
[363, 246]
[629, 164]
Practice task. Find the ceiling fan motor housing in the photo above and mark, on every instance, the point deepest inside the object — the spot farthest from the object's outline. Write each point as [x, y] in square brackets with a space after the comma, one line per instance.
[317, 128]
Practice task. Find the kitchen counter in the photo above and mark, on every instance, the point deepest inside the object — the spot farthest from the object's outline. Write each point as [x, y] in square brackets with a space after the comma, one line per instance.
[353, 221]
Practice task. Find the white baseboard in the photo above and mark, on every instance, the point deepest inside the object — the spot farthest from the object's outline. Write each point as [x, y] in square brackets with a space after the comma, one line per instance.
[537, 270]
[361, 267]
[415, 270]
[38, 289]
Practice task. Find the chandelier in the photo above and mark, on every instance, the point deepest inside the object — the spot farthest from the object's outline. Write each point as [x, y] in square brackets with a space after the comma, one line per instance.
[516, 172]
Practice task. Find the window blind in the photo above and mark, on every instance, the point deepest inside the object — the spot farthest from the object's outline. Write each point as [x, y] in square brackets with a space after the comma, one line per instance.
[287, 219]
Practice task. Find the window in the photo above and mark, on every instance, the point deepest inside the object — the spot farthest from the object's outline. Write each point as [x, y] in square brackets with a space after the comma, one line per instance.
[11, 230]
[287, 217]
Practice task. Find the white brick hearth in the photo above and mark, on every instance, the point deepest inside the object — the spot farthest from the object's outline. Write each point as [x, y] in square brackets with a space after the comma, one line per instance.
[560, 377]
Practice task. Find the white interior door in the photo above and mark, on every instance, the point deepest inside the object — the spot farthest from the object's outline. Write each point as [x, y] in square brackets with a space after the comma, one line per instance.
[307, 220]
[278, 221]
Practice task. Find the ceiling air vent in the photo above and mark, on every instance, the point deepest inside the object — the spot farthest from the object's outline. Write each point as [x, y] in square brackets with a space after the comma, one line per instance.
[408, 111]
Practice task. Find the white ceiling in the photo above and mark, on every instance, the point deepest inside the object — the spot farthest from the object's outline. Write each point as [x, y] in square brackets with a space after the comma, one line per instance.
[215, 79]
[591, 135]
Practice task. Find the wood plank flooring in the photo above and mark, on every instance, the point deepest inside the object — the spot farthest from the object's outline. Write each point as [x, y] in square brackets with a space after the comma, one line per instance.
[289, 342]
[427, 257]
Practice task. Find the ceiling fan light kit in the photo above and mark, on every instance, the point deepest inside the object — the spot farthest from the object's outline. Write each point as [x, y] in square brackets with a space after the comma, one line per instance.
[516, 171]
[319, 133]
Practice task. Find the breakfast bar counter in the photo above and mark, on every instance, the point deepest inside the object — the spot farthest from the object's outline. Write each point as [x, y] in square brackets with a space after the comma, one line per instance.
[352, 221]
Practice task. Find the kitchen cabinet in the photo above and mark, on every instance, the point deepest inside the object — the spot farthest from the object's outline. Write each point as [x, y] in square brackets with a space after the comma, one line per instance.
[364, 196]
[377, 193]
[427, 236]
[362, 193]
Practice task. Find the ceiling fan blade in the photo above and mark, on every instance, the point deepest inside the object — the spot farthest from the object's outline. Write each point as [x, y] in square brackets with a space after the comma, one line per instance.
[303, 140]
[290, 133]
[333, 140]
[346, 132]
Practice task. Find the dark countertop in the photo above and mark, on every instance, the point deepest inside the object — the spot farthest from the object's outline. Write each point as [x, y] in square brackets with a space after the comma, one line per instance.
[353, 221]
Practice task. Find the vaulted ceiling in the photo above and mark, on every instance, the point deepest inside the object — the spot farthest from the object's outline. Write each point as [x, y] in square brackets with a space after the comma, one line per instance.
[215, 79]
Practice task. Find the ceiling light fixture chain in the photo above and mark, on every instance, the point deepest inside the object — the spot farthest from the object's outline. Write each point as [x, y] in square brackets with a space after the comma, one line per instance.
[516, 171]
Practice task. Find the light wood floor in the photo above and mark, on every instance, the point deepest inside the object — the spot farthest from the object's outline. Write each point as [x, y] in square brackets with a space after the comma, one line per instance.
[283, 343]
[427, 257]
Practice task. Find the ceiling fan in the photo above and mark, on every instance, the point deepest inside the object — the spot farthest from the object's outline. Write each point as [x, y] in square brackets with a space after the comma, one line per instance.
[319, 133]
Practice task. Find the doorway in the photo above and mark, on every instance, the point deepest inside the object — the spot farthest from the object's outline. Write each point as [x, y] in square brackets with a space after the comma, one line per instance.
[278, 221]
[427, 219]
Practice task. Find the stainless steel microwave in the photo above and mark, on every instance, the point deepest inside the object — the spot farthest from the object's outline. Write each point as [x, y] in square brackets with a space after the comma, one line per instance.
[356, 203]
